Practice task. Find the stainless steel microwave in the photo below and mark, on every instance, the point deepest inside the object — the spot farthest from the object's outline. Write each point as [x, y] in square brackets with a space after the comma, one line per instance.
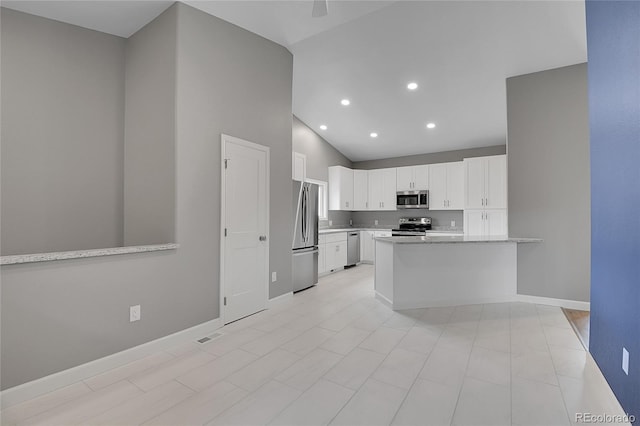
[412, 199]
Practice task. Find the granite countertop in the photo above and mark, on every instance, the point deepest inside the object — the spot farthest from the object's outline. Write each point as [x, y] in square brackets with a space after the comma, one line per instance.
[336, 230]
[80, 254]
[433, 231]
[457, 239]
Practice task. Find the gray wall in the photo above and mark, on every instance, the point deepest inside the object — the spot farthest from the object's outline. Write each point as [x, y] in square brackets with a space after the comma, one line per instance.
[78, 310]
[549, 193]
[240, 87]
[62, 136]
[320, 156]
[436, 157]
[149, 139]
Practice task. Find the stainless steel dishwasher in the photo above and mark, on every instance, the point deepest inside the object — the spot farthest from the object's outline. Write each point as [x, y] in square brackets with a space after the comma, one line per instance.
[353, 248]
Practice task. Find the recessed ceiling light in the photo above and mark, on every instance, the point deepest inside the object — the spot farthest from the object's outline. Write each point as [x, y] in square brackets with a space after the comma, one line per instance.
[323, 127]
[412, 86]
[345, 102]
[431, 125]
[373, 135]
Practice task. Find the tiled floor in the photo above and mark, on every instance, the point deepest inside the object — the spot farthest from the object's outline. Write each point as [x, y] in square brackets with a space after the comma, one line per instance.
[336, 355]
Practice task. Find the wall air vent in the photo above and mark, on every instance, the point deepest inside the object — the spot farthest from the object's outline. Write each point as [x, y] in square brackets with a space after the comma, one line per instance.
[209, 338]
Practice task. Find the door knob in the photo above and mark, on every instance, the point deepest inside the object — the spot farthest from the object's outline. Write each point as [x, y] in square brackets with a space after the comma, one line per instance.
[263, 238]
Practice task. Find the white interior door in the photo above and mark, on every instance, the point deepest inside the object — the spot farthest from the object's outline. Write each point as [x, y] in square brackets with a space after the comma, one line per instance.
[245, 247]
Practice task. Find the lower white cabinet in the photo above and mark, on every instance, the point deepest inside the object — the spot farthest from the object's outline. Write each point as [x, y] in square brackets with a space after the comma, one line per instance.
[336, 256]
[367, 246]
[332, 252]
[484, 223]
[322, 250]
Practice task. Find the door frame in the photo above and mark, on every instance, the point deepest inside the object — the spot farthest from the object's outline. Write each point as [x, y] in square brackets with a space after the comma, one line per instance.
[224, 139]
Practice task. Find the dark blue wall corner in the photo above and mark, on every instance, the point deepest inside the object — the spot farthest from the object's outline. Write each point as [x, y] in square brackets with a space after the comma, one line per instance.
[613, 40]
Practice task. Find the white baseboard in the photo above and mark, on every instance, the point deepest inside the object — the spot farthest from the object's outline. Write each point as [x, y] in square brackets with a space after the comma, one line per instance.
[451, 302]
[563, 303]
[384, 300]
[35, 388]
[272, 303]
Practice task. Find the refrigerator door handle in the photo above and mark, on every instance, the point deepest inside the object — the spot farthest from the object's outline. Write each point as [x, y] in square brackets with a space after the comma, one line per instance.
[303, 231]
[304, 252]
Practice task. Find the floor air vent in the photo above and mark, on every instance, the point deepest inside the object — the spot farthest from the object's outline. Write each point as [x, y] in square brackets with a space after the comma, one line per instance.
[209, 338]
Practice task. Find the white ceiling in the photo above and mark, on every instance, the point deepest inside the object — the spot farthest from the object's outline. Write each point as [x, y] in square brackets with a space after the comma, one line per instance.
[458, 52]
[287, 22]
[121, 18]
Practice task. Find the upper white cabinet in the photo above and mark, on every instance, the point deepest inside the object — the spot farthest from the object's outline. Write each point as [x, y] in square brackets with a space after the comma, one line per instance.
[299, 166]
[486, 182]
[340, 188]
[412, 178]
[382, 189]
[360, 190]
[446, 186]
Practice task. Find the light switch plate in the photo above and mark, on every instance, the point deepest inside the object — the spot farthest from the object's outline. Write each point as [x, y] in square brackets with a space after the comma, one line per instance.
[625, 361]
[453, 223]
[375, 222]
[134, 313]
[274, 277]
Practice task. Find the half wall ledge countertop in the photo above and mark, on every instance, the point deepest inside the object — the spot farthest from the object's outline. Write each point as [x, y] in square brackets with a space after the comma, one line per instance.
[79, 254]
[457, 239]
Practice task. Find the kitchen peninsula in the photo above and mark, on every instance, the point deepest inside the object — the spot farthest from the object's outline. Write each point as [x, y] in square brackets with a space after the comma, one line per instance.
[420, 272]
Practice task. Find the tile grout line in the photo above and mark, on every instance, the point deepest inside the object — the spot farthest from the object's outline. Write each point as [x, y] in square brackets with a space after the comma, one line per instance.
[555, 369]
[455, 408]
[415, 379]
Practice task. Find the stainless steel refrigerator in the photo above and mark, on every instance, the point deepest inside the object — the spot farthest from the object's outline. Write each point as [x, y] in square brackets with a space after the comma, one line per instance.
[305, 235]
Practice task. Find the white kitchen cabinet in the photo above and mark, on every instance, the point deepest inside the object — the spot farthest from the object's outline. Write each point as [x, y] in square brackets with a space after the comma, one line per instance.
[367, 245]
[299, 166]
[446, 186]
[336, 251]
[412, 178]
[382, 189]
[486, 182]
[322, 252]
[340, 188]
[484, 223]
[360, 189]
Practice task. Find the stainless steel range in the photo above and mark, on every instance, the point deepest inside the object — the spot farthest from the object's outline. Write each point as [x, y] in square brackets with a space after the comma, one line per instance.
[412, 226]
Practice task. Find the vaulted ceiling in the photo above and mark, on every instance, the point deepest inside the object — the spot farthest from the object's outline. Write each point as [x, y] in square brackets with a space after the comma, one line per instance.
[458, 52]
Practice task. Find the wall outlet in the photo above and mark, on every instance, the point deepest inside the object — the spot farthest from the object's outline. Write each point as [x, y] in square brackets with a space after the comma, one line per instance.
[350, 222]
[375, 222]
[625, 361]
[330, 222]
[134, 313]
[453, 223]
[274, 276]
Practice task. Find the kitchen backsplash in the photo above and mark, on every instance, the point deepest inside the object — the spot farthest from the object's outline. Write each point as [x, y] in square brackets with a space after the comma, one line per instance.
[441, 219]
[339, 219]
